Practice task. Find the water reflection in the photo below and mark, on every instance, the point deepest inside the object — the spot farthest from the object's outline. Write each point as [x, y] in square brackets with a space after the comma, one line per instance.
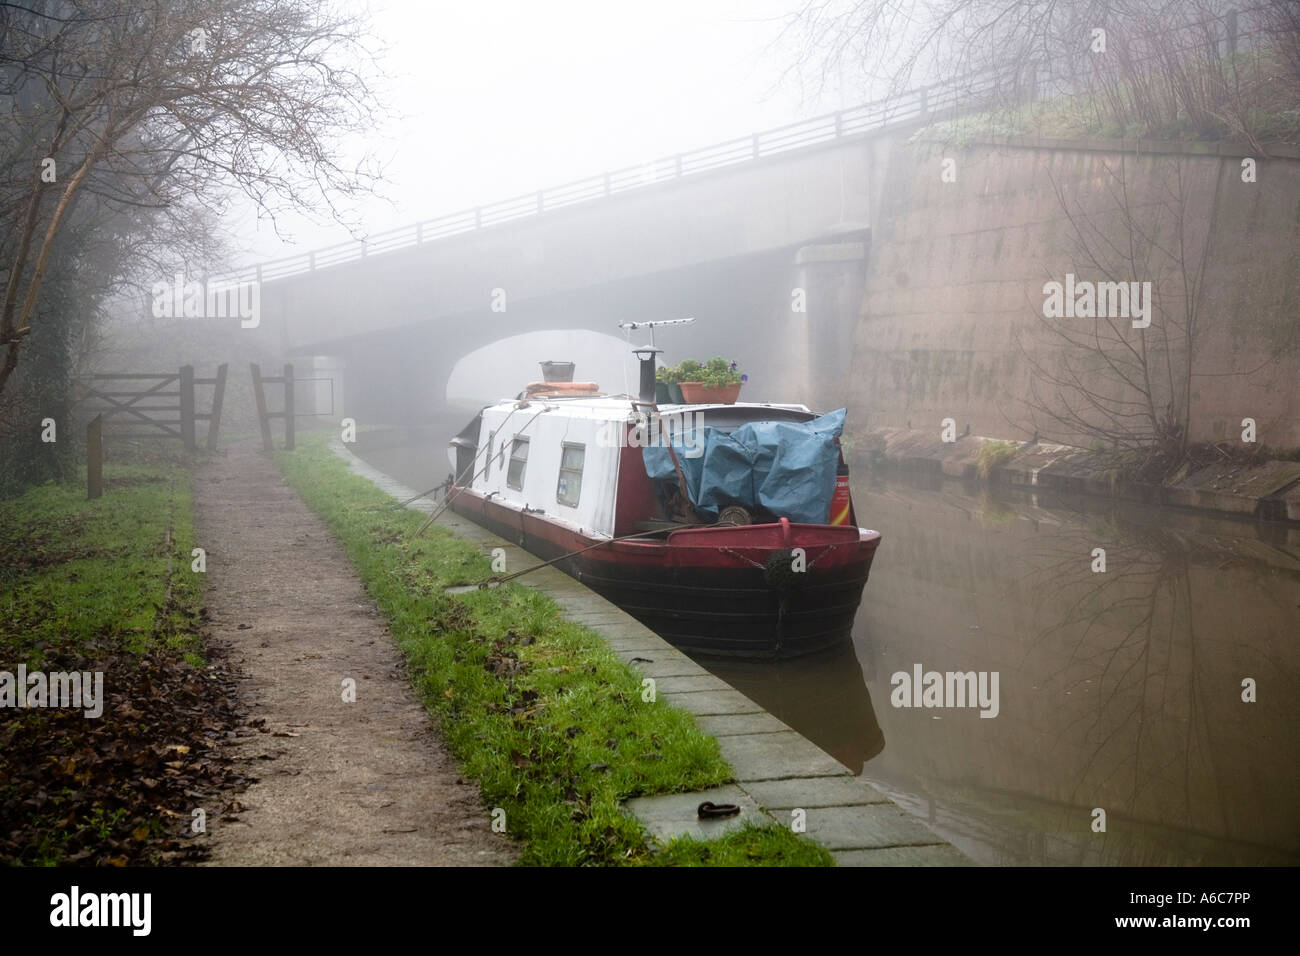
[1121, 689]
[802, 692]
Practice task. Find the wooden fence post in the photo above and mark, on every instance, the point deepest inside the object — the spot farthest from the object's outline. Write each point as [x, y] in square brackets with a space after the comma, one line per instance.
[260, 395]
[187, 407]
[95, 458]
[288, 407]
[214, 421]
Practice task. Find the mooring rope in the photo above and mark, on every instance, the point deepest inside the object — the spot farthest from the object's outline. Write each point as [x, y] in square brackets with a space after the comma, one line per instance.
[394, 505]
[457, 487]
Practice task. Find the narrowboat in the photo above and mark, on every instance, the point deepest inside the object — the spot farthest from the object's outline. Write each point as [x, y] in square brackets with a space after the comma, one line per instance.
[728, 529]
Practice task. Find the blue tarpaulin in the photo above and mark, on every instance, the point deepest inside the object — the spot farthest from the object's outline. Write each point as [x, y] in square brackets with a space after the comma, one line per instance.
[786, 469]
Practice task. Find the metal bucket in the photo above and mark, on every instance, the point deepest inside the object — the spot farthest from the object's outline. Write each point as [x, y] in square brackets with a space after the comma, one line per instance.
[557, 371]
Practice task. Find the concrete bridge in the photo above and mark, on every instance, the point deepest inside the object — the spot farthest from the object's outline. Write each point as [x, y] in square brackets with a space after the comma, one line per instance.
[742, 235]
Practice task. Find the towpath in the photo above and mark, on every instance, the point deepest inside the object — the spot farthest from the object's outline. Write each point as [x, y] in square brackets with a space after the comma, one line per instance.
[364, 783]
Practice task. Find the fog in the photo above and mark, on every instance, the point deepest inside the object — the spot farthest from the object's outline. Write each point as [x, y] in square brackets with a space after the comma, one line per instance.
[503, 369]
[498, 98]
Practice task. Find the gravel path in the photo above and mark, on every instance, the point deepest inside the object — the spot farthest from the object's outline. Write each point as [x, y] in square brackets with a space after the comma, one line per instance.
[364, 783]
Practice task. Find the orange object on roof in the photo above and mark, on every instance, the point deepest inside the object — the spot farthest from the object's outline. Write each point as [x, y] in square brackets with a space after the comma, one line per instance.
[560, 389]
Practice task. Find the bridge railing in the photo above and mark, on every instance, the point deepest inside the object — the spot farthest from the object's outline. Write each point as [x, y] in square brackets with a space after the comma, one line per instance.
[929, 102]
[1234, 32]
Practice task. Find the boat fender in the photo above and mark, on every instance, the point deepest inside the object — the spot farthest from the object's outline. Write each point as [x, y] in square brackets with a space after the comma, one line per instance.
[781, 576]
[779, 572]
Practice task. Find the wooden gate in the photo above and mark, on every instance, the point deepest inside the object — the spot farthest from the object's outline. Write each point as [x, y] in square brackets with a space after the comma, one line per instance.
[132, 411]
[264, 416]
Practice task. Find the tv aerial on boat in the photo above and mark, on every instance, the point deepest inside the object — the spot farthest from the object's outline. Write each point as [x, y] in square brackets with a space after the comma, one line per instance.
[646, 353]
[634, 326]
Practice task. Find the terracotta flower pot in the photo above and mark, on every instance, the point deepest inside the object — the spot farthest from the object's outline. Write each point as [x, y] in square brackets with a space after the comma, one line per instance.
[695, 393]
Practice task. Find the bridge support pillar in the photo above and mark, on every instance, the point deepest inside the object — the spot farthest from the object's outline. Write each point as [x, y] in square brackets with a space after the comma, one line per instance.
[832, 277]
[320, 391]
[399, 378]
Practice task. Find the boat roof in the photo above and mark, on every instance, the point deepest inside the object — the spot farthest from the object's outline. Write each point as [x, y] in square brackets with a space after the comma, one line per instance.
[621, 408]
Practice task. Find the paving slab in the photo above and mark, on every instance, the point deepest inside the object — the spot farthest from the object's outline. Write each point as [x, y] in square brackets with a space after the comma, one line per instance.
[866, 827]
[656, 668]
[594, 619]
[629, 629]
[778, 756]
[704, 702]
[676, 814]
[809, 792]
[729, 725]
[641, 643]
[938, 855]
[666, 654]
[690, 683]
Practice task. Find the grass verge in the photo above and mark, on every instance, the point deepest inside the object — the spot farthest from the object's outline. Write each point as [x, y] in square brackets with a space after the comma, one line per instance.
[538, 710]
[106, 588]
[747, 845]
[73, 571]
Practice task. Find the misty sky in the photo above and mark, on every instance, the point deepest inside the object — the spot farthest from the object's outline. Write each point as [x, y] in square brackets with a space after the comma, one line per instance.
[502, 97]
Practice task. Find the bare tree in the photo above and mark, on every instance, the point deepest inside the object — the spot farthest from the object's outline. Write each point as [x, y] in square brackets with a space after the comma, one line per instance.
[903, 42]
[1101, 376]
[1112, 634]
[1154, 67]
[163, 105]
[1119, 385]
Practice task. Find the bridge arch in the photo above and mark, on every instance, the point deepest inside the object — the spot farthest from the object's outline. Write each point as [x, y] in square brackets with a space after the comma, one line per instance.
[503, 367]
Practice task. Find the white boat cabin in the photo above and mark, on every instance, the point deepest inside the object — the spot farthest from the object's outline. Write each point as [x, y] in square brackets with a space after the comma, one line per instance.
[561, 456]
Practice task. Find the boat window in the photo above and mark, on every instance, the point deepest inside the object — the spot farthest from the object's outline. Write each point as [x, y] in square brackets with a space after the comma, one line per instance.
[569, 489]
[518, 459]
[487, 464]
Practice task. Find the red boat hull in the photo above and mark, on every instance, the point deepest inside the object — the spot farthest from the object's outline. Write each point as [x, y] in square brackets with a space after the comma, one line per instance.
[771, 590]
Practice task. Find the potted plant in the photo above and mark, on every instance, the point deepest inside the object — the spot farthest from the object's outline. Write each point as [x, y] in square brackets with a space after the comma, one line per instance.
[665, 382]
[688, 371]
[717, 382]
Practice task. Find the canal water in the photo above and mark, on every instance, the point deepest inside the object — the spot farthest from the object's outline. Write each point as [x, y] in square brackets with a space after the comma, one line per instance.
[1119, 692]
